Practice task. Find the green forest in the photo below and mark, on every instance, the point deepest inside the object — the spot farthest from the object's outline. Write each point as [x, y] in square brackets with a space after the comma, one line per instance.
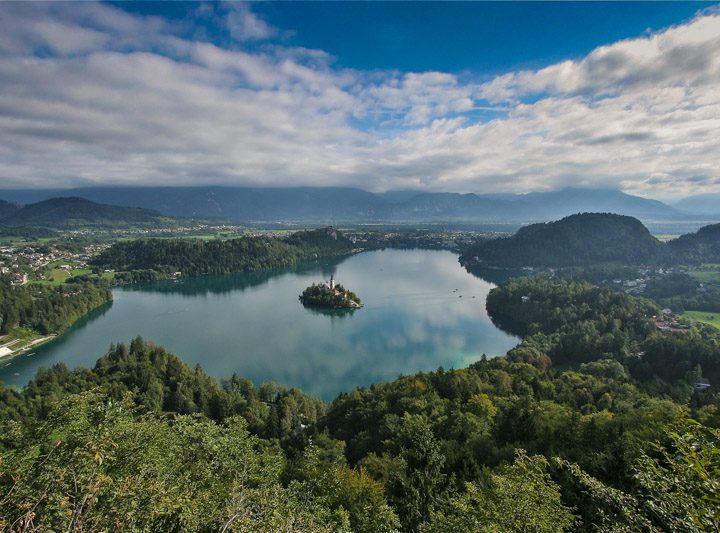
[48, 309]
[592, 423]
[591, 238]
[195, 257]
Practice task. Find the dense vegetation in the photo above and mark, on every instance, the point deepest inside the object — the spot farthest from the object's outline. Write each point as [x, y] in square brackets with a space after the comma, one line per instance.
[516, 443]
[161, 382]
[320, 296]
[681, 292]
[700, 247]
[68, 213]
[48, 309]
[198, 257]
[574, 322]
[592, 238]
[26, 232]
[7, 209]
[575, 240]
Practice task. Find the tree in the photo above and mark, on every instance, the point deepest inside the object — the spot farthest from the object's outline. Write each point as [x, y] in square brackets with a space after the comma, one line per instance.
[518, 497]
[681, 485]
[101, 465]
[416, 489]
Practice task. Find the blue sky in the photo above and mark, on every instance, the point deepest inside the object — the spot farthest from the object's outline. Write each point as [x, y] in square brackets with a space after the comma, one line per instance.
[472, 38]
[468, 97]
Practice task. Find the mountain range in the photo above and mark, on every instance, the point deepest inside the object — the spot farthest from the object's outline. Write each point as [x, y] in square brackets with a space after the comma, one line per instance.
[70, 213]
[704, 204]
[331, 205]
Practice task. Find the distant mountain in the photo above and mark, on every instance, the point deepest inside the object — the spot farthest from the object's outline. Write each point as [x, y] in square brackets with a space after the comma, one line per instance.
[240, 204]
[79, 212]
[572, 200]
[321, 205]
[575, 240]
[704, 204]
[7, 209]
[454, 207]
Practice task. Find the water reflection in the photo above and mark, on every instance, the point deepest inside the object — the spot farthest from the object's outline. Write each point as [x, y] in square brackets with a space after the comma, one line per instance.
[422, 310]
[332, 313]
[496, 275]
[204, 285]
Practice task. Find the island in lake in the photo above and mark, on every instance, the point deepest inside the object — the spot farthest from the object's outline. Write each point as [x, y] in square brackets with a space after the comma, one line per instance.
[329, 295]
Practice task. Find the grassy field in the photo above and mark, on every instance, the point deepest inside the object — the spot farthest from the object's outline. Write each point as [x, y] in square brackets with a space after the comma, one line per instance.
[706, 273]
[57, 275]
[704, 316]
[19, 338]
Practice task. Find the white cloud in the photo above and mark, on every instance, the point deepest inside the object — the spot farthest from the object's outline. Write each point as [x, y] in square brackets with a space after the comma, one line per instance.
[685, 55]
[102, 96]
[244, 25]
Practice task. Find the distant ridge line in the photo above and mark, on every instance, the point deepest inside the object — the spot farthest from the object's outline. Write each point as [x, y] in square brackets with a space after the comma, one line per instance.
[320, 205]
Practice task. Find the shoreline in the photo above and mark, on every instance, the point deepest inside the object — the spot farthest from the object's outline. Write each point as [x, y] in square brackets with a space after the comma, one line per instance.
[27, 347]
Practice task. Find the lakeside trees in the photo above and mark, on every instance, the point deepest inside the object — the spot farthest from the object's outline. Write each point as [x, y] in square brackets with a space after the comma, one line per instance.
[245, 254]
[48, 309]
[574, 322]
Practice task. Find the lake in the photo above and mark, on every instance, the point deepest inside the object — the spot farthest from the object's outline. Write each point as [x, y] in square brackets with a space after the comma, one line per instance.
[422, 311]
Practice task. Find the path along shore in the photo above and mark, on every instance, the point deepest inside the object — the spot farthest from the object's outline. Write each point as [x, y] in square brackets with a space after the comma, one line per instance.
[9, 349]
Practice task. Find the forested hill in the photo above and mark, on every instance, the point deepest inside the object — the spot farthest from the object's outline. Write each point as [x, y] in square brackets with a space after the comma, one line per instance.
[245, 254]
[66, 213]
[702, 246]
[7, 209]
[591, 238]
[580, 239]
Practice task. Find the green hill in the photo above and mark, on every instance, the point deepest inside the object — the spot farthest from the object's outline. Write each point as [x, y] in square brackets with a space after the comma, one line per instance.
[572, 241]
[68, 213]
[195, 257]
[702, 246]
[7, 209]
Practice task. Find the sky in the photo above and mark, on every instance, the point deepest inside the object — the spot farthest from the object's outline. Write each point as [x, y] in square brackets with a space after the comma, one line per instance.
[436, 96]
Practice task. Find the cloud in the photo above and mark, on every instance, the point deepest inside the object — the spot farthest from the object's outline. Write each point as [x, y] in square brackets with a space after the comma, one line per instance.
[417, 98]
[244, 25]
[95, 95]
[685, 55]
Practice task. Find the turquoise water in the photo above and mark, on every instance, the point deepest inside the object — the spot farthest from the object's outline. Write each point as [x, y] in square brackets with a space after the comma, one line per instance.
[422, 311]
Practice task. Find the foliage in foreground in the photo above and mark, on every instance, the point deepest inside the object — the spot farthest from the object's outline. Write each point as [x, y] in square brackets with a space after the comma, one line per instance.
[97, 465]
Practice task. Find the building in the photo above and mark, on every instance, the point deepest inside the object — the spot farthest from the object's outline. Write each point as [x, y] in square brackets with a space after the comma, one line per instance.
[701, 384]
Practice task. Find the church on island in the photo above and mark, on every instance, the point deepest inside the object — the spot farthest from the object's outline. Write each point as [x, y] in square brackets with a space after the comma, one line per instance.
[330, 285]
[330, 295]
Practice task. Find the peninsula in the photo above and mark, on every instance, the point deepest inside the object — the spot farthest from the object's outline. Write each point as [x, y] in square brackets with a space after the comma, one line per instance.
[329, 295]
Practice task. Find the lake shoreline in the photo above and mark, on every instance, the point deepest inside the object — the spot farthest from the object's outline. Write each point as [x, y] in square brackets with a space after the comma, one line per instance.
[252, 324]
